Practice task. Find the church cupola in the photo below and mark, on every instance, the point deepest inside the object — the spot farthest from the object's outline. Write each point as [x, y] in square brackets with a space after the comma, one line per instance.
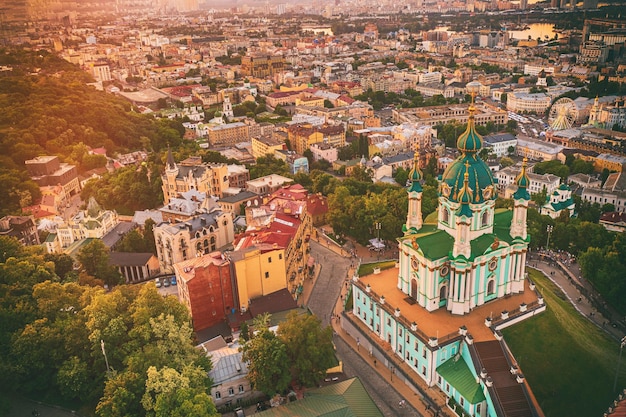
[414, 216]
[521, 198]
[462, 246]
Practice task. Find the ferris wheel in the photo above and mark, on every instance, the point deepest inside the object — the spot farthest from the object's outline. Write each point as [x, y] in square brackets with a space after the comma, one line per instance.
[563, 114]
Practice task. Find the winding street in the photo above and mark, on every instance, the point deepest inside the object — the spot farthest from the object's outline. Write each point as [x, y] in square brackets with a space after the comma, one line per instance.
[323, 298]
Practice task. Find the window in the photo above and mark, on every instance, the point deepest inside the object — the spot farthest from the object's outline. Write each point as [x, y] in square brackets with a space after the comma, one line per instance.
[445, 215]
[462, 401]
[400, 332]
[377, 311]
[269, 259]
[407, 338]
[439, 379]
[358, 311]
[218, 395]
[388, 321]
[280, 256]
[358, 295]
[485, 218]
[490, 287]
[371, 322]
[478, 407]
[241, 389]
[399, 349]
[231, 391]
[453, 352]
[424, 353]
[447, 387]
[267, 275]
[424, 370]
[377, 328]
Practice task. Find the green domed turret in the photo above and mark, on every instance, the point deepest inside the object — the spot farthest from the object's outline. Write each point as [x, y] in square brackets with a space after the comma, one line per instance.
[470, 141]
[480, 179]
[523, 182]
[415, 175]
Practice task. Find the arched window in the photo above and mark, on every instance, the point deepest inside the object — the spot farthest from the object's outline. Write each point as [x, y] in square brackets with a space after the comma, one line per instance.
[213, 243]
[197, 235]
[445, 215]
[198, 247]
[491, 286]
[443, 293]
[485, 218]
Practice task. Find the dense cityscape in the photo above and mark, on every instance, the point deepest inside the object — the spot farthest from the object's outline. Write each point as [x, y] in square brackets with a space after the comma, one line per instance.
[345, 208]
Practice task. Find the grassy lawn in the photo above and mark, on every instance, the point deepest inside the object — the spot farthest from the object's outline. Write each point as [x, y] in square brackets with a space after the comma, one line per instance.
[367, 269]
[569, 363]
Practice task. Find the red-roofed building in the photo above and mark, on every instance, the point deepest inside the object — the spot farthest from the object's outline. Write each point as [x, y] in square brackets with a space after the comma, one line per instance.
[205, 286]
[282, 221]
[614, 221]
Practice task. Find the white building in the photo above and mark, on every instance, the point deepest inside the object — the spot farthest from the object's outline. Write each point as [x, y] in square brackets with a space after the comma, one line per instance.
[500, 143]
[506, 178]
[430, 78]
[537, 150]
[527, 102]
[618, 199]
[561, 199]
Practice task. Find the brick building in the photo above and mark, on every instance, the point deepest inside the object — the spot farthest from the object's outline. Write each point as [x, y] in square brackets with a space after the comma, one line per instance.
[205, 287]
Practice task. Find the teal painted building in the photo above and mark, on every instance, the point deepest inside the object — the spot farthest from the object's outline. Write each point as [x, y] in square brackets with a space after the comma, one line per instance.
[462, 256]
[471, 253]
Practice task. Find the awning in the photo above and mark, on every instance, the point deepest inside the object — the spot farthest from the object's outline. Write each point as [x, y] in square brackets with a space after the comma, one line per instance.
[310, 262]
[377, 243]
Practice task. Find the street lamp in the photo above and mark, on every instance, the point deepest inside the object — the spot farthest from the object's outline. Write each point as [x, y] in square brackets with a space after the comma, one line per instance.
[377, 227]
[105, 355]
[619, 360]
[549, 230]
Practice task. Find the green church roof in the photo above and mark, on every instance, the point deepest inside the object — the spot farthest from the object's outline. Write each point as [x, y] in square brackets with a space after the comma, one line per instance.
[343, 399]
[479, 179]
[437, 244]
[456, 372]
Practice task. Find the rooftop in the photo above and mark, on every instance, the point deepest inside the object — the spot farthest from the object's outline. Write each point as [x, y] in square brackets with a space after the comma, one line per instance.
[441, 322]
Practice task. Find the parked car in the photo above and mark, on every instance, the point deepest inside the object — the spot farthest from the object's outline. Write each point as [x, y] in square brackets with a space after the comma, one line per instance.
[157, 282]
[173, 280]
[166, 282]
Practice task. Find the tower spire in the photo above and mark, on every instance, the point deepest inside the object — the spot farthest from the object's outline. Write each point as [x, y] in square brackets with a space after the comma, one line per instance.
[414, 216]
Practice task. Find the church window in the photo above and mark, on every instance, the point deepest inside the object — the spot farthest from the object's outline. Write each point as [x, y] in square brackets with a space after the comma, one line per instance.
[485, 218]
[478, 407]
[490, 286]
[445, 215]
[443, 293]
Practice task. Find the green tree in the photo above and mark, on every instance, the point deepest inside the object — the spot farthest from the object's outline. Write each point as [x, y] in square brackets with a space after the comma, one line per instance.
[94, 258]
[268, 363]
[309, 347]
[401, 176]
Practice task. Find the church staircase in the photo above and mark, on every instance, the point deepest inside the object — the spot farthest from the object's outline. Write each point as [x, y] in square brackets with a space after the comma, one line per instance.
[510, 395]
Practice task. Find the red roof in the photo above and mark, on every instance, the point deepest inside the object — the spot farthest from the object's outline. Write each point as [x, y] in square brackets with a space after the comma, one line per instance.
[613, 217]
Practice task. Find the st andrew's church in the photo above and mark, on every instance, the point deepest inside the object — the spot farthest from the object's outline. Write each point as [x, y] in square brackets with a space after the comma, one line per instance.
[459, 280]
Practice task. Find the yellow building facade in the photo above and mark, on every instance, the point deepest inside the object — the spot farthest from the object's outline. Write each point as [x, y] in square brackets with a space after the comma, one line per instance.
[259, 272]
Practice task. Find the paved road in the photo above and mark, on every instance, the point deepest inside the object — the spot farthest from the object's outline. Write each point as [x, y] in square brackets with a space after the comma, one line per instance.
[384, 395]
[322, 302]
[328, 284]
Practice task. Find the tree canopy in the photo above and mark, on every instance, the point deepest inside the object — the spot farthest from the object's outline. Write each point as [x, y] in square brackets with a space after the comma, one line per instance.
[53, 337]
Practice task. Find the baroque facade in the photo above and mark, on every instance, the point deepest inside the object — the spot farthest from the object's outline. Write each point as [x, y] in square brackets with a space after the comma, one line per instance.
[464, 256]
